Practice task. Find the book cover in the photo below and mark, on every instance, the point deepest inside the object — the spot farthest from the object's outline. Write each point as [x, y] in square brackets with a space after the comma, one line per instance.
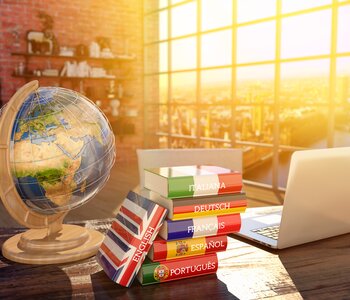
[200, 227]
[168, 270]
[165, 250]
[192, 181]
[187, 208]
[129, 238]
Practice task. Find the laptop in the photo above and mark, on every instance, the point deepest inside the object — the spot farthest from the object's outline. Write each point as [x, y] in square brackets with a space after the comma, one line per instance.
[316, 204]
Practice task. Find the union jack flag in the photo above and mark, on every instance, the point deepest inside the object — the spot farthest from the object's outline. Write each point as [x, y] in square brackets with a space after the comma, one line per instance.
[130, 237]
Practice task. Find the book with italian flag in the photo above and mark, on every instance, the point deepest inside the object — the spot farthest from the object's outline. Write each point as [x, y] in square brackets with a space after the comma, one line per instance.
[204, 206]
[168, 270]
[166, 250]
[192, 181]
[200, 227]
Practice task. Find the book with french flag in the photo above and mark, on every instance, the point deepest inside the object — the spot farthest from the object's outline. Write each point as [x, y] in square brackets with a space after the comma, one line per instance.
[179, 221]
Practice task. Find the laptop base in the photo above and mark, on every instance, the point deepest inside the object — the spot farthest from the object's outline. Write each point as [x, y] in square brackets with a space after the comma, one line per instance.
[258, 218]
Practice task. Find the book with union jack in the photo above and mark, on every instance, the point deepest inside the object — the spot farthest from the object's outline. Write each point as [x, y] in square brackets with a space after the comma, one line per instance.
[130, 237]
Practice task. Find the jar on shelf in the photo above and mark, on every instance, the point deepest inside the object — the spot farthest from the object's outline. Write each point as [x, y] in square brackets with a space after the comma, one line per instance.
[20, 69]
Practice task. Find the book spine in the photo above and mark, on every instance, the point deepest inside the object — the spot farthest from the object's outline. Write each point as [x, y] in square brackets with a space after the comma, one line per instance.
[158, 272]
[204, 185]
[165, 250]
[212, 209]
[200, 227]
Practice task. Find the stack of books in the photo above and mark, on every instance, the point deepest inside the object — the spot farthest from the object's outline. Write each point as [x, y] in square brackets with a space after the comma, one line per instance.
[204, 205]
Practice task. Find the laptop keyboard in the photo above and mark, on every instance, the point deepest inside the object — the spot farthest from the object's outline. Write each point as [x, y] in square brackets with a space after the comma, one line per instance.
[270, 231]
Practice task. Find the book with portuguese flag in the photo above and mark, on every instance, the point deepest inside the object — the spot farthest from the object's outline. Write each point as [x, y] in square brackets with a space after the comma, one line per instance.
[165, 250]
[192, 181]
[168, 270]
[188, 208]
[200, 227]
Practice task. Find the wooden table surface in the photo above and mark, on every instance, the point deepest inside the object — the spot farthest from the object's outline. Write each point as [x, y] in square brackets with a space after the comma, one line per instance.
[318, 270]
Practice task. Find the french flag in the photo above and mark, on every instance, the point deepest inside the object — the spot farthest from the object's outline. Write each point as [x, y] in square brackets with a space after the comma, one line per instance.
[130, 237]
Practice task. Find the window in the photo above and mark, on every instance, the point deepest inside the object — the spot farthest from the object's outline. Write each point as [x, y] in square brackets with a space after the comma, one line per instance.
[271, 77]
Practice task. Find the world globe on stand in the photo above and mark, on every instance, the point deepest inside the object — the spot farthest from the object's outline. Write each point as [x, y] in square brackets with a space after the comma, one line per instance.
[57, 150]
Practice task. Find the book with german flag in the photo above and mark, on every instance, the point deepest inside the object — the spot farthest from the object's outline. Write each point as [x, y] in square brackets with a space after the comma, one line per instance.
[192, 181]
[188, 208]
[168, 270]
[200, 227]
[165, 250]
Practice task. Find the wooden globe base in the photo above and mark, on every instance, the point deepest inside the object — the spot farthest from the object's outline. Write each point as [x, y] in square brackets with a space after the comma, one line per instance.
[69, 244]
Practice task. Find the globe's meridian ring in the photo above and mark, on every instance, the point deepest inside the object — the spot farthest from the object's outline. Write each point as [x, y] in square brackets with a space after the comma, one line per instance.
[8, 192]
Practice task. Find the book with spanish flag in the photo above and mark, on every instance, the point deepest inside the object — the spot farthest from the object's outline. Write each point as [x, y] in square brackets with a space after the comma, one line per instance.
[165, 250]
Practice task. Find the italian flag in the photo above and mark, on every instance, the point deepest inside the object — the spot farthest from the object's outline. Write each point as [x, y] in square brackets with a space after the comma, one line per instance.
[194, 186]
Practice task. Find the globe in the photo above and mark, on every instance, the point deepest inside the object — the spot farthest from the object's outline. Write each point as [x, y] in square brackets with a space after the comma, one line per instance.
[56, 152]
[62, 150]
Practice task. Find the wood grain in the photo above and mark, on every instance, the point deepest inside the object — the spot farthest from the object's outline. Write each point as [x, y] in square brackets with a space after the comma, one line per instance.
[318, 270]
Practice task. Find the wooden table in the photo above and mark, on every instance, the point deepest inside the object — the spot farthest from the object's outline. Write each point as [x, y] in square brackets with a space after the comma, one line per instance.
[319, 270]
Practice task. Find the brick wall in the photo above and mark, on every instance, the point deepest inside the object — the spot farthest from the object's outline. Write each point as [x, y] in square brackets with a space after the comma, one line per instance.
[78, 22]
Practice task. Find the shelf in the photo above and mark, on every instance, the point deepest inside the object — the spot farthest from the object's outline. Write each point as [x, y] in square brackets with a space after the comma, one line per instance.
[70, 78]
[115, 59]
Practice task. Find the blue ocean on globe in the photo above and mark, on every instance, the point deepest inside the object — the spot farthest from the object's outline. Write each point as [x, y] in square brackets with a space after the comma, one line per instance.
[62, 150]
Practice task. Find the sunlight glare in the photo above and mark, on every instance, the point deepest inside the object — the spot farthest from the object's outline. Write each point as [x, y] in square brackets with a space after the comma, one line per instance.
[249, 10]
[296, 5]
[344, 29]
[184, 19]
[217, 48]
[184, 55]
[256, 42]
[306, 35]
[216, 13]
